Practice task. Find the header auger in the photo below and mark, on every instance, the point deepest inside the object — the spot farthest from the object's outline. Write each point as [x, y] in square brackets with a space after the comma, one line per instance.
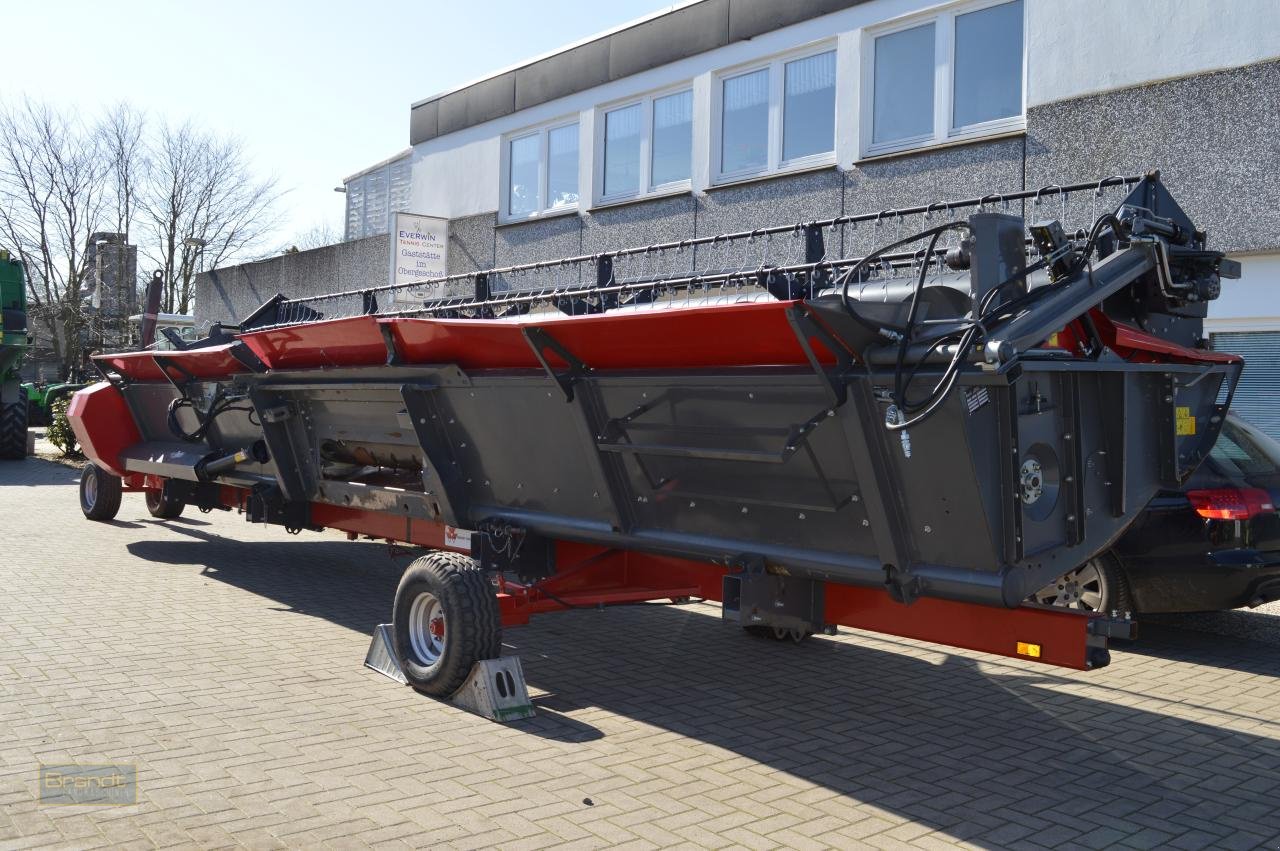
[910, 438]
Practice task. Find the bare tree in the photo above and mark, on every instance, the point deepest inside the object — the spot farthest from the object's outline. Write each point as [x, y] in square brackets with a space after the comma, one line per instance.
[51, 199]
[122, 135]
[203, 207]
[318, 235]
[71, 191]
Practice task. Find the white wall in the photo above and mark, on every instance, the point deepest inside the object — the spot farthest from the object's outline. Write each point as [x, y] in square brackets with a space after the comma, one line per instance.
[1079, 47]
[1074, 47]
[457, 175]
[1253, 302]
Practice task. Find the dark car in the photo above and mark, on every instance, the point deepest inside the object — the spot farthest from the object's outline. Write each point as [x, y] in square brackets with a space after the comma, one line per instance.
[1213, 545]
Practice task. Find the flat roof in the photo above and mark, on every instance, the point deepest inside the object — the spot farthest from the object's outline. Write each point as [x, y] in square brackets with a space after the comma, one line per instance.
[668, 35]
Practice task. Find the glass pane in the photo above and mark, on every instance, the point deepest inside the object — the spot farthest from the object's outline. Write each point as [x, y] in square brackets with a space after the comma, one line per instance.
[988, 73]
[355, 208]
[522, 197]
[375, 202]
[401, 186]
[903, 97]
[622, 150]
[744, 142]
[672, 137]
[562, 167]
[809, 106]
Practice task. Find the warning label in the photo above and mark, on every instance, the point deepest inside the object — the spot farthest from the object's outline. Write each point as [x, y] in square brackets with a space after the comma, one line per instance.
[1186, 423]
[458, 539]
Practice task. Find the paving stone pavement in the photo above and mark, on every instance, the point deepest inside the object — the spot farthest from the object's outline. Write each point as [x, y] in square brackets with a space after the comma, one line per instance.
[224, 660]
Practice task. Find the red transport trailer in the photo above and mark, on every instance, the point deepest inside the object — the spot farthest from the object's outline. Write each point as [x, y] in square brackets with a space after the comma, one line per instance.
[909, 441]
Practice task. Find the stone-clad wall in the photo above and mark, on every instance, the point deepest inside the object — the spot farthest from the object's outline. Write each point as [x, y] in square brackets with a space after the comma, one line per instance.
[1213, 136]
[233, 292]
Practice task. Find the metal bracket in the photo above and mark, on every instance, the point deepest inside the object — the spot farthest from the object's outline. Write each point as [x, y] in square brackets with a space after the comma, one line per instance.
[165, 364]
[540, 341]
[389, 340]
[805, 327]
[246, 357]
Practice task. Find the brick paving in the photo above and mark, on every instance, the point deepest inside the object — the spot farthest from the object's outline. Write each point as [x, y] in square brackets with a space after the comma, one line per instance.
[225, 661]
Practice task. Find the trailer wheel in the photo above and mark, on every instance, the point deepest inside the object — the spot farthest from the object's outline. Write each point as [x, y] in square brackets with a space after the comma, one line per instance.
[445, 620]
[163, 507]
[13, 430]
[99, 493]
[777, 633]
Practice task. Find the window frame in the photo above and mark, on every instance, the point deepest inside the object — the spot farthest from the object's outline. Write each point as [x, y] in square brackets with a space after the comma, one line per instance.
[646, 187]
[774, 163]
[542, 132]
[944, 21]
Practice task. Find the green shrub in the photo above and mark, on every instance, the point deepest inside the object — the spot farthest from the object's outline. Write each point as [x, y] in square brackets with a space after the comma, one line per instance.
[60, 433]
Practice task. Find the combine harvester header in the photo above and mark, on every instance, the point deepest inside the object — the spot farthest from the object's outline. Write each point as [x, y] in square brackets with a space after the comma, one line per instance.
[905, 421]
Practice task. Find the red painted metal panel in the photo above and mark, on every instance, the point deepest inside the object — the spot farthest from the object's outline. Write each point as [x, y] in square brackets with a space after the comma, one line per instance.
[336, 342]
[1134, 345]
[1060, 634]
[104, 426]
[679, 338]
[380, 525]
[211, 362]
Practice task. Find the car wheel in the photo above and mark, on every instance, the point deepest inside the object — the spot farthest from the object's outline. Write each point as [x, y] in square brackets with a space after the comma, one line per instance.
[1098, 585]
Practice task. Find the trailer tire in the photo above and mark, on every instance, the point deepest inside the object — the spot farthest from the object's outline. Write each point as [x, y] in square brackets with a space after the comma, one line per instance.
[163, 507]
[795, 636]
[13, 430]
[445, 619]
[99, 493]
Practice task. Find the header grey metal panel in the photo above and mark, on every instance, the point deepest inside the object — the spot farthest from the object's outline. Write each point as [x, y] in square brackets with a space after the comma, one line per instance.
[667, 38]
[563, 74]
[750, 18]
[424, 122]
[684, 32]
[491, 98]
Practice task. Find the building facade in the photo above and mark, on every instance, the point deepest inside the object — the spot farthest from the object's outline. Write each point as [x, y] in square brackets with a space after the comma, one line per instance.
[728, 115]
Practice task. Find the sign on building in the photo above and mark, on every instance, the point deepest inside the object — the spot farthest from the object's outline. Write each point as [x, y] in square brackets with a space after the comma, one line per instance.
[419, 254]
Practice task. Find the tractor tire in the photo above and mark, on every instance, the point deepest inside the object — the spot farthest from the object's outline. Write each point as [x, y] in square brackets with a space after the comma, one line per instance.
[13, 430]
[99, 493]
[164, 507]
[445, 619]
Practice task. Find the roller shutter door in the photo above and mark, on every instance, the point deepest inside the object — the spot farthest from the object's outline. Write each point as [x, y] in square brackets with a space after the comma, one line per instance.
[1257, 398]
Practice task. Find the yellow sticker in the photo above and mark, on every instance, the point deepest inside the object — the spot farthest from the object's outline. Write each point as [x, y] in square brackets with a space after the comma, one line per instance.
[1185, 422]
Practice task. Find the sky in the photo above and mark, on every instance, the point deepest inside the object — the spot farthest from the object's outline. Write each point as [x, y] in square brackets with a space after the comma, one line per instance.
[316, 90]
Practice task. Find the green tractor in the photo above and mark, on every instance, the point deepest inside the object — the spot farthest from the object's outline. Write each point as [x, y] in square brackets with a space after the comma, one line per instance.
[13, 346]
[41, 398]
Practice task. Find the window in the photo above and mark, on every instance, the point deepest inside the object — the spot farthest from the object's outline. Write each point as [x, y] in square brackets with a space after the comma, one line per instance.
[374, 195]
[646, 146]
[672, 138]
[776, 117]
[955, 75]
[541, 172]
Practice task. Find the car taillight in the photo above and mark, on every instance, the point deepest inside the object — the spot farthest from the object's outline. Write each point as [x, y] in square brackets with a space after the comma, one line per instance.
[1230, 503]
